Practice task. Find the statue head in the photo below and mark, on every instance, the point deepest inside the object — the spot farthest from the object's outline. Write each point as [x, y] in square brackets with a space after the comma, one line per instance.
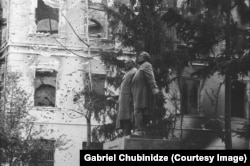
[129, 64]
[143, 57]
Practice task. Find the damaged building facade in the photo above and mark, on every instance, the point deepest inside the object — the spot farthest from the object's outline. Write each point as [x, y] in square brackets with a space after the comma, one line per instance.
[201, 124]
[46, 41]
[41, 39]
[199, 105]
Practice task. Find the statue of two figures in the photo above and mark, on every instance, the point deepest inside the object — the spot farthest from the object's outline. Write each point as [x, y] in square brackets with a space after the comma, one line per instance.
[137, 96]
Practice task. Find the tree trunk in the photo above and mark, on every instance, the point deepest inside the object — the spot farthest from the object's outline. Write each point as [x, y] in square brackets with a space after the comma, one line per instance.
[88, 132]
[228, 135]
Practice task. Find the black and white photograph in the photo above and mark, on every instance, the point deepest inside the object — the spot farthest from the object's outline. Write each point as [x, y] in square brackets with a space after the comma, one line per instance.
[95, 81]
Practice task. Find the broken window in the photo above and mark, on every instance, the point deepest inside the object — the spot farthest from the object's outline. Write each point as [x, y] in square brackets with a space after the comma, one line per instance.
[98, 81]
[238, 92]
[45, 88]
[189, 95]
[95, 28]
[47, 16]
[97, 19]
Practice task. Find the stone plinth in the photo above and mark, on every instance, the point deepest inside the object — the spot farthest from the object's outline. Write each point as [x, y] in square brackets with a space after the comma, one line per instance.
[128, 143]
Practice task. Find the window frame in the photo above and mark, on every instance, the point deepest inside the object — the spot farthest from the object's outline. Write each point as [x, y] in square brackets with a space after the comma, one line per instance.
[55, 86]
[49, 10]
[47, 162]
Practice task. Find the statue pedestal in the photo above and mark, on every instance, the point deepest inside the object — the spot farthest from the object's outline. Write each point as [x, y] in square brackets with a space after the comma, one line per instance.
[130, 143]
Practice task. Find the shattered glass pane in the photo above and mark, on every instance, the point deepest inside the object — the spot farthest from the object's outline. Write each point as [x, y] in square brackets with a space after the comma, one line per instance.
[47, 18]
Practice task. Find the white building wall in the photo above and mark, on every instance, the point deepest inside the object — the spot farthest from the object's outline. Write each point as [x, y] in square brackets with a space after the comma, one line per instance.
[28, 50]
[61, 120]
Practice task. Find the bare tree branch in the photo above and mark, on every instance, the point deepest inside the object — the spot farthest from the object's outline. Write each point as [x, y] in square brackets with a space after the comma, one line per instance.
[75, 31]
[71, 51]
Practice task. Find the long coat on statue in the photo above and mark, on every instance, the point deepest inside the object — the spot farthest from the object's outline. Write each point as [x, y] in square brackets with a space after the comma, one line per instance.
[125, 98]
[143, 85]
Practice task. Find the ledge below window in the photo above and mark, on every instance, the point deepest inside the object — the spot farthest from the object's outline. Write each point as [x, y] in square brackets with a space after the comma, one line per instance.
[47, 35]
[51, 109]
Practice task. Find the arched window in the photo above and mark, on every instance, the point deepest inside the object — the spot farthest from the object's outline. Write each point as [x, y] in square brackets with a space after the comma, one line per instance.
[47, 25]
[95, 28]
[45, 96]
[47, 16]
[45, 88]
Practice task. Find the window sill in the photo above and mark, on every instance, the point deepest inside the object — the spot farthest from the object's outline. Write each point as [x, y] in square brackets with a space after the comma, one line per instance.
[191, 116]
[51, 109]
[46, 35]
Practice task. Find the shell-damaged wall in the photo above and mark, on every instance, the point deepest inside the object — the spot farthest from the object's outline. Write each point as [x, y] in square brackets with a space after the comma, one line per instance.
[69, 75]
[29, 52]
[23, 27]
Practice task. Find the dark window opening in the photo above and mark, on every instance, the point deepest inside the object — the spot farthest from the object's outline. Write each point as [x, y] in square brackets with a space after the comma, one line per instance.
[95, 28]
[189, 96]
[98, 81]
[45, 96]
[238, 91]
[46, 18]
[43, 155]
[45, 88]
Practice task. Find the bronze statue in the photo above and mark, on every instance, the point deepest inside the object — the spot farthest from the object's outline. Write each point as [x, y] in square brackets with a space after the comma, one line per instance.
[143, 90]
[125, 111]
